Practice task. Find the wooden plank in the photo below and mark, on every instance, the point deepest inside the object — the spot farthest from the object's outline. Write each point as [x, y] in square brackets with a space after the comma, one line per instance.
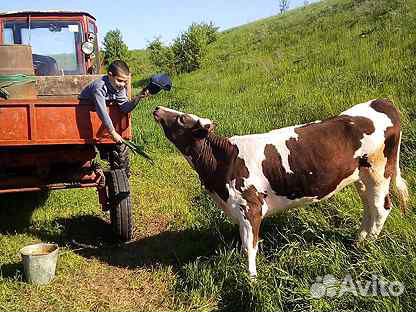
[69, 85]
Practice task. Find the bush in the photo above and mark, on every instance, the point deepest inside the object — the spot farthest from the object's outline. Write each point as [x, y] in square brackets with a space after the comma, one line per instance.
[114, 47]
[187, 51]
[161, 56]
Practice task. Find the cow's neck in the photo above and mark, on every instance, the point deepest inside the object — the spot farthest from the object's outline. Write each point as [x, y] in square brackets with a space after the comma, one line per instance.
[212, 158]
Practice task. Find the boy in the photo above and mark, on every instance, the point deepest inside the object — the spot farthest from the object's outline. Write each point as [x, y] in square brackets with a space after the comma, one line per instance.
[112, 87]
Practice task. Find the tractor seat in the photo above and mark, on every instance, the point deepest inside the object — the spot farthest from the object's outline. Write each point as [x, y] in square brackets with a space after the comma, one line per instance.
[44, 65]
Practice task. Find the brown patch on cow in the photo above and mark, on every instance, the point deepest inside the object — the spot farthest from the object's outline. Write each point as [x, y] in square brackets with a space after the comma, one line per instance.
[391, 134]
[320, 158]
[253, 212]
[239, 172]
[387, 202]
[216, 162]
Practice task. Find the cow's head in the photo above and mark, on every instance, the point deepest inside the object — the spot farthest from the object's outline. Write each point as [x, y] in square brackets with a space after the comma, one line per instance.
[183, 130]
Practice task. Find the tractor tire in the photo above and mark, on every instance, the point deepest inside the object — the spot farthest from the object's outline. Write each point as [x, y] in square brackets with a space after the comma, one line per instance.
[120, 204]
[119, 158]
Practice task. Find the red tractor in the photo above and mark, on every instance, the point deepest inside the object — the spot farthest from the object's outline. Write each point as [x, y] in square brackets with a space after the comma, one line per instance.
[48, 138]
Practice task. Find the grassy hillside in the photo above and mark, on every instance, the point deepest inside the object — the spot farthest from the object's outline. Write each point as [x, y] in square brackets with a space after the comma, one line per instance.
[307, 64]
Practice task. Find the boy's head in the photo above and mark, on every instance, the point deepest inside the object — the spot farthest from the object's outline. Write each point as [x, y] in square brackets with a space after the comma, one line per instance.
[118, 74]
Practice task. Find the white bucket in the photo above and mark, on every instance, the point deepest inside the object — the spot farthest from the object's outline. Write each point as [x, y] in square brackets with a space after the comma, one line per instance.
[39, 262]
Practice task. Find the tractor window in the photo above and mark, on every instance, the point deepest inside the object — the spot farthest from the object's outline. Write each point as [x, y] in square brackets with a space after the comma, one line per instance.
[54, 45]
[91, 27]
[8, 36]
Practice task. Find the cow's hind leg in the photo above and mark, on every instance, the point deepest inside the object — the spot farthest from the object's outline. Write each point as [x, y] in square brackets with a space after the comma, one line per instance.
[366, 221]
[376, 197]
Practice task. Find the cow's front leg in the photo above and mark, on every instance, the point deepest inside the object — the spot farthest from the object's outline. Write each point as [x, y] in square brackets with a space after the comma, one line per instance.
[249, 245]
[250, 219]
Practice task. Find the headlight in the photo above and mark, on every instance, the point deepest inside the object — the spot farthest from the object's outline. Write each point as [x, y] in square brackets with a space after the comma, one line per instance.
[87, 47]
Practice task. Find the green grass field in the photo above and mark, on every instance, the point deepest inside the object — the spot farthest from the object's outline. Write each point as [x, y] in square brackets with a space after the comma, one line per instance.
[304, 65]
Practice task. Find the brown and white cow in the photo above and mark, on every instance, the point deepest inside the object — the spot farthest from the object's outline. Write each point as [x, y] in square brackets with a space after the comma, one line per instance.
[252, 176]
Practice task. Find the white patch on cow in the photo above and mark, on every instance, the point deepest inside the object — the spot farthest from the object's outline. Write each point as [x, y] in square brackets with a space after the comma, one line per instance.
[170, 110]
[251, 150]
[203, 121]
[313, 122]
[286, 134]
[370, 143]
[232, 206]
[277, 204]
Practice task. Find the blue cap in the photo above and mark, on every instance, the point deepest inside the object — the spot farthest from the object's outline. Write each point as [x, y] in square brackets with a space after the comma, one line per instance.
[158, 82]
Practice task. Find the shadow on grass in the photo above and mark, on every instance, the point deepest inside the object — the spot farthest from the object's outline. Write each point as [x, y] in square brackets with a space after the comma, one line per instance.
[167, 248]
[12, 270]
[16, 210]
[92, 237]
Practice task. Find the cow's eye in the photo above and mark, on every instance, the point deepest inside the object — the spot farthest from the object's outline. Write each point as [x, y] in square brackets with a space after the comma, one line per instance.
[179, 120]
[183, 120]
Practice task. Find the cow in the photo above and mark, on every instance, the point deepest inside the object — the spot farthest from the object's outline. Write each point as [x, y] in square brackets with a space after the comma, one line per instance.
[253, 176]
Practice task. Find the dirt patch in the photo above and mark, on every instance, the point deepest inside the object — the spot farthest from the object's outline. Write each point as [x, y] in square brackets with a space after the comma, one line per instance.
[106, 288]
[147, 225]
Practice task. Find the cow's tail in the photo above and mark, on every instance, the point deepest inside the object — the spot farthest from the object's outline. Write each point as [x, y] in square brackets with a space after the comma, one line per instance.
[400, 183]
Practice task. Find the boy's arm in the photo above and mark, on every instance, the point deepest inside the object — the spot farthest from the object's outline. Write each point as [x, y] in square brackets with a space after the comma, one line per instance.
[128, 106]
[101, 108]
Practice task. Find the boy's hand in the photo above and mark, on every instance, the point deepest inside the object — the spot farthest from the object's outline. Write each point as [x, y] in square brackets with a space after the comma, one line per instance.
[116, 137]
[144, 93]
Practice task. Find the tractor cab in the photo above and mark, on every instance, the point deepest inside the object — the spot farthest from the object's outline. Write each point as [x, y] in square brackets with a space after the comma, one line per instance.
[63, 43]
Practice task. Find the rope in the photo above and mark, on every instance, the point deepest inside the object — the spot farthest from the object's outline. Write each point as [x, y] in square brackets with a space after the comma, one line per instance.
[9, 80]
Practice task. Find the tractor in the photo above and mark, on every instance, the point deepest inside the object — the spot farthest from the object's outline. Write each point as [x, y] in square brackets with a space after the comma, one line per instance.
[49, 139]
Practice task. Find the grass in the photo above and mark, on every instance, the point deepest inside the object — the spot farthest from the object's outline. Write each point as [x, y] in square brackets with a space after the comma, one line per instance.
[304, 65]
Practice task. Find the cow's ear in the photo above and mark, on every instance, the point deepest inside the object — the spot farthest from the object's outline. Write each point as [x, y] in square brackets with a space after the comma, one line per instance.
[200, 133]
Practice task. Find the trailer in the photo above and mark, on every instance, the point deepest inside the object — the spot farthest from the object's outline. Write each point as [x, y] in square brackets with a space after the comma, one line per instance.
[49, 139]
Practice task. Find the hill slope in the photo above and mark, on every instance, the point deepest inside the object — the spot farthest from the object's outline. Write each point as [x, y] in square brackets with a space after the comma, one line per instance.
[307, 64]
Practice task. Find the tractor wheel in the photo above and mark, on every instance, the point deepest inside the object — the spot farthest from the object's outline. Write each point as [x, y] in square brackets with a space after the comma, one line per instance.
[119, 158]
[120, 204]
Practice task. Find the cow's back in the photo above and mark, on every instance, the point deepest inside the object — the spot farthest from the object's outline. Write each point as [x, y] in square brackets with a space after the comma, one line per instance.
[314, 160]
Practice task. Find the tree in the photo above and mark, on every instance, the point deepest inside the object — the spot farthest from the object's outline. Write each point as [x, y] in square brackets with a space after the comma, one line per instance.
[191, 46]
[114, 47]
[283, 5]
[187, 51]
[161, 56]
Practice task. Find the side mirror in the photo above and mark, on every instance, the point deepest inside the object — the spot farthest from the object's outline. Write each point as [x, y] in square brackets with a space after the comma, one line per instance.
[159, 82]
